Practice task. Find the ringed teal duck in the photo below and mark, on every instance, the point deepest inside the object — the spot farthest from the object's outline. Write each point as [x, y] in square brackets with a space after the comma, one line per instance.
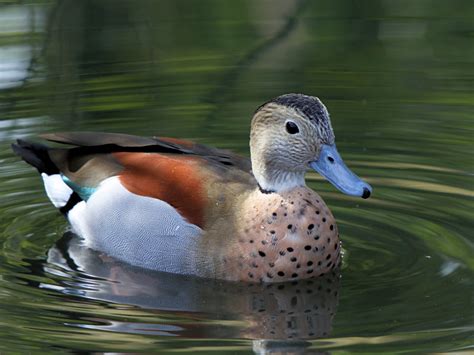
[176, 206]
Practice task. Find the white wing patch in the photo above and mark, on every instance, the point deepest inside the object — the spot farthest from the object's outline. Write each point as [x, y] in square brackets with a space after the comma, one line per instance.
[56, 189]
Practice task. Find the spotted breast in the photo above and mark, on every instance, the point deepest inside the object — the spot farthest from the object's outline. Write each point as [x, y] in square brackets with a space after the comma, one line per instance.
[286, 236]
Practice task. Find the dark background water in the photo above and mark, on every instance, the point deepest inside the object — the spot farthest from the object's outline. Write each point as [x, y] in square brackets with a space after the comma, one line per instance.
[397, 78]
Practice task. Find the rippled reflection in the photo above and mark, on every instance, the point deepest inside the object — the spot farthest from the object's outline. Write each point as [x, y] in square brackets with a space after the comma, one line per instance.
[297, 310]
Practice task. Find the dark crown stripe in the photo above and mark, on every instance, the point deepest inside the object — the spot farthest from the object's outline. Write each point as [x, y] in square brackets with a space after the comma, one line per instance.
[310, 106]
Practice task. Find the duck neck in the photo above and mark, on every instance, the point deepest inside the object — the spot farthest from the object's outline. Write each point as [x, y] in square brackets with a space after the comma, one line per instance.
[271, 179]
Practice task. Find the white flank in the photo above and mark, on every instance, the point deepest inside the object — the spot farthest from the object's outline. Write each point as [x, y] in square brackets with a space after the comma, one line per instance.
[139, 230]
[56, 189]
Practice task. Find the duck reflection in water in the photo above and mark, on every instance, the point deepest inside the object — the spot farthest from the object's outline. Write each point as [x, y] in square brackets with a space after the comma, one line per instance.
[291, 311]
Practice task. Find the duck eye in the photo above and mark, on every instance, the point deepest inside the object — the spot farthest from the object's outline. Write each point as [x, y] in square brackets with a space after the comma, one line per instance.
[292, 128]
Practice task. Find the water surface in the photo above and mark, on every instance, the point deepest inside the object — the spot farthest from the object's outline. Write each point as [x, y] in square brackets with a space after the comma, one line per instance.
[397, 79]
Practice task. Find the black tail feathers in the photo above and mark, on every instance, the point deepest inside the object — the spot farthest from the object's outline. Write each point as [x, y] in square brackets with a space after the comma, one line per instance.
[36, 155]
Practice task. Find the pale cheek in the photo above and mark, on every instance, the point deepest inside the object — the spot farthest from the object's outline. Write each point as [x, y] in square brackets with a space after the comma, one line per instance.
[315, 149]
[299, 157]
[306, 154]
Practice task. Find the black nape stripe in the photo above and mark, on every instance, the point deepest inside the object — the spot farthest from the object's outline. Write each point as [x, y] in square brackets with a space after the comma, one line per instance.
[263, 191]
[73, 200]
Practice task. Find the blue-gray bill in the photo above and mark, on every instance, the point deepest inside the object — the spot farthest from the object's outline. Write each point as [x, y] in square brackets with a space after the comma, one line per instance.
[332, 167]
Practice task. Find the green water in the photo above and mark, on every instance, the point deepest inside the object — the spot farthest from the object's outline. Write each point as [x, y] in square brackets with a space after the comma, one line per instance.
[397, 78]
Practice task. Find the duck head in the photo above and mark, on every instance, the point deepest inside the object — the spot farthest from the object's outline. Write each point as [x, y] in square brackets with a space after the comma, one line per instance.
[291, 134]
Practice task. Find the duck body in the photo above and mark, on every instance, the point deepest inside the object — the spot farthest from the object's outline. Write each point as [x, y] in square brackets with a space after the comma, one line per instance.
[176, 206]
